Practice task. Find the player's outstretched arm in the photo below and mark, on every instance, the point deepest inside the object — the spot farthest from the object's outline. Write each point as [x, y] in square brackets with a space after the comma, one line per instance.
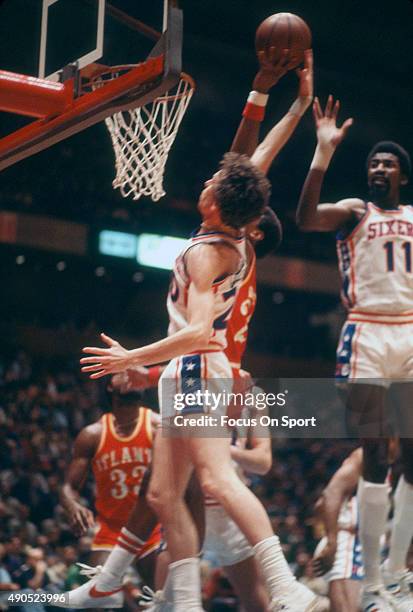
[312, 216]
[328, 506]
[279, 135]
[80, 517]
[270, 72]
[205, 263]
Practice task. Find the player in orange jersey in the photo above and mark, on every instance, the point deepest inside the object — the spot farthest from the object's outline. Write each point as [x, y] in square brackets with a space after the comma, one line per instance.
[118, 450]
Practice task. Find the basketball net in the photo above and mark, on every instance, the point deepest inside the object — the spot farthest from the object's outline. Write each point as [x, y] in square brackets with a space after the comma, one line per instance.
[142, 138]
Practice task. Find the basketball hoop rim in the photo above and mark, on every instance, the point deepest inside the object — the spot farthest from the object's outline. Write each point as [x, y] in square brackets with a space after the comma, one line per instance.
[115, 71]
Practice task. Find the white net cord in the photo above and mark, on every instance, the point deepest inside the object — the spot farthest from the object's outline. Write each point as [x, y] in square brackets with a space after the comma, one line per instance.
[142, 138]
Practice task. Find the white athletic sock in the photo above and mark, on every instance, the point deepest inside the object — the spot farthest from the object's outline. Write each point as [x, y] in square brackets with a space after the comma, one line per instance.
[186, 584]
[402, 530]
[373, 503]
[274, 566]
[127, 547]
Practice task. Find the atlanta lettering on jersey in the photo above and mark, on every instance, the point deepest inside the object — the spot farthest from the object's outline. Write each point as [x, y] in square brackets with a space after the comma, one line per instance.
[123, 455]
[392, 227]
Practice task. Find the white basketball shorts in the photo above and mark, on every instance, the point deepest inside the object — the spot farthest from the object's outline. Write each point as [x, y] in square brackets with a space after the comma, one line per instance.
[367, 351]
[196, 384]
[224, 542]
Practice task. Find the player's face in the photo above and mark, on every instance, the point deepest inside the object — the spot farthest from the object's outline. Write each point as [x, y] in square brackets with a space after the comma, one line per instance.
[383, 176]
[207, 197]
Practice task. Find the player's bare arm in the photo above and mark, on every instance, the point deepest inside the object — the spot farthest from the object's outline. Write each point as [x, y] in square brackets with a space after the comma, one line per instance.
[272, 144]
[257, 459]
[311, 215]
[204, 263]
[85, 446]
[328, 506]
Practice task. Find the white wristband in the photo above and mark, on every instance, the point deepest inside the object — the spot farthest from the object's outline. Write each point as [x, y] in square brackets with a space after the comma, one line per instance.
[257, 98]
[300, 105]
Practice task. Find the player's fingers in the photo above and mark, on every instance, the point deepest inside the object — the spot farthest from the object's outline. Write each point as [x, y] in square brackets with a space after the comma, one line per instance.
[329, 106]
[308, 59]
[109, 341]
[99, 374]
[93, 359]
[336, 108]
[94, 350]
[272, 54]
[347, 124]
[317, 112]
[92, 368]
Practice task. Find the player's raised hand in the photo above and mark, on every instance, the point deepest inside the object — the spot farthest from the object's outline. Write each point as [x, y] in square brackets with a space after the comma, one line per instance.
[272, 67]
[306, 77]
[105, 361]
[329, 135]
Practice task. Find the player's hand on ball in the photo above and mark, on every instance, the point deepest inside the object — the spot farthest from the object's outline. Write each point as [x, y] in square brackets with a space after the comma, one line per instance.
[325, 559]
[272, 68]
[329, 135]
[105, 360]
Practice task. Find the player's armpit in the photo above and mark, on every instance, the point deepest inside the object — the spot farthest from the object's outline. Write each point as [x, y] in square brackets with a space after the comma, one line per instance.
[331, 217]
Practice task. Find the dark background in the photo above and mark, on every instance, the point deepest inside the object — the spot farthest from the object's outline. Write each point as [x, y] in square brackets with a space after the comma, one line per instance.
[362, 55]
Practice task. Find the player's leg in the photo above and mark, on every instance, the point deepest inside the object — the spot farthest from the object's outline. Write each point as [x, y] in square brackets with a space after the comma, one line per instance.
[366, 418]
[230, 549]
[344, 595]
[170, 476]
[248, 584]
[396, 577]
[212, 462]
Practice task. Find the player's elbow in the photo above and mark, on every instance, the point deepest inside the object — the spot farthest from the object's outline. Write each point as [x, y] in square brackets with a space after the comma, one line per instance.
[264, 464]
[200, 334]
[304, 223]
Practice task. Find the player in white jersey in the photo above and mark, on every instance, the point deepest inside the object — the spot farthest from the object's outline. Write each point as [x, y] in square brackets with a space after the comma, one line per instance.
[205, 284]
[376, 346]
[338, 555]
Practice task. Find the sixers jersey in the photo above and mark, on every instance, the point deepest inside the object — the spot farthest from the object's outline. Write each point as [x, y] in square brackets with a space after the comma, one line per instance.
[237, 329]
[225, 288]
[376, 266]
[119, 465]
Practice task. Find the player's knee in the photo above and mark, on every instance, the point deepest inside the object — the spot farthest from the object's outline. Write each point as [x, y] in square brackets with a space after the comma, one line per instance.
[215, 486]
[159, 499]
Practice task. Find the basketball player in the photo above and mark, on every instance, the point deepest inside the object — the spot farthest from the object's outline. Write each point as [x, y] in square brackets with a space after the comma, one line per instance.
[338, 555]
[206, 278]
[118, 449]
[376, 344]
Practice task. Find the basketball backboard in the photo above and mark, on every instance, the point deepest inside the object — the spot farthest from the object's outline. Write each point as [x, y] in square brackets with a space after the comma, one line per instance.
[71, 31]
[104, 60]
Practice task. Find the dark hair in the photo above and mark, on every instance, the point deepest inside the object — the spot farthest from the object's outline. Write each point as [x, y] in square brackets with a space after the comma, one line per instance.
[271, 227]
[242, 190]
[128, 398]
[387, 146]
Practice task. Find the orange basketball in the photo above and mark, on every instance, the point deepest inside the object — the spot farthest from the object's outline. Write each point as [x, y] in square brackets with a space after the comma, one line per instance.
[284, 31]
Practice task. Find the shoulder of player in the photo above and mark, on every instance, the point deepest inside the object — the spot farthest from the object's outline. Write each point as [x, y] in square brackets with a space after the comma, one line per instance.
[211, 257]
[88, 439]
[355, 205]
